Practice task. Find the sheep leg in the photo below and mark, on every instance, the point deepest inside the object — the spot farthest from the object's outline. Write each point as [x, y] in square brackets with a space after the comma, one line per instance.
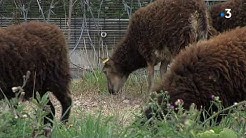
[66, 102]
[51, 114]
[150, 76]
[163, 68]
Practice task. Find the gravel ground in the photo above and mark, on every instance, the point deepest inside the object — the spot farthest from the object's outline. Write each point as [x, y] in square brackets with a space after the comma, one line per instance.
[92, 103]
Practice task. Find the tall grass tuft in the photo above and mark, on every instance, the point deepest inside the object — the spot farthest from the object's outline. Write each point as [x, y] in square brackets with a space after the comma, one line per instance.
[92, 81]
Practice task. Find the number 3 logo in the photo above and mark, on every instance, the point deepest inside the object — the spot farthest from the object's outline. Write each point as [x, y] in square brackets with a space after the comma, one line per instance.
[228, 13]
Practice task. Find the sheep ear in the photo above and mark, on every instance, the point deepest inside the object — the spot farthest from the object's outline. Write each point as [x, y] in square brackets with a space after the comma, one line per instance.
[104, 60]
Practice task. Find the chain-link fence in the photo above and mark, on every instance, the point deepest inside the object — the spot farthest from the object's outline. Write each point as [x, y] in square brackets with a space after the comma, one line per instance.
[92, 27]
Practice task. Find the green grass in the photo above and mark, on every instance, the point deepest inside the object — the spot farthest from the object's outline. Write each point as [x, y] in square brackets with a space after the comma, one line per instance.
[87, 127]
[92, 81]
[96, 82]
[183, 124]
[23, 123]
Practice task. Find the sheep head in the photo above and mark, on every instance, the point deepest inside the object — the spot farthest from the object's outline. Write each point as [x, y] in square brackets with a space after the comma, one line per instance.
[115, 78]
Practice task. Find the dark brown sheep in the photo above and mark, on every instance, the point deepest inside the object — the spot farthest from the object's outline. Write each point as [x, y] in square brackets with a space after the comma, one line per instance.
[238, 15]
[41, 49]
[156, 33]
[214, 67]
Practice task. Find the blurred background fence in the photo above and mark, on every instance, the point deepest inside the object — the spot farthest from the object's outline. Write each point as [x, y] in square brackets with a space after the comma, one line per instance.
[92, 27]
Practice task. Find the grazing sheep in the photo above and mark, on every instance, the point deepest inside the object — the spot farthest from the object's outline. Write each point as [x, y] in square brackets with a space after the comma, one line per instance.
[156, 33]
[238, 15]
[216, 67]
[41, 49]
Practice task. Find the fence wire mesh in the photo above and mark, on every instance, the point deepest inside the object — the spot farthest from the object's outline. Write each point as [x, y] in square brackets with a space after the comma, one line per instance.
[92, 27]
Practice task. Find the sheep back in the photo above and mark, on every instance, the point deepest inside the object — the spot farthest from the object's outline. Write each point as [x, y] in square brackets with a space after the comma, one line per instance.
[159, 31]
[39, 48]
[214, 67]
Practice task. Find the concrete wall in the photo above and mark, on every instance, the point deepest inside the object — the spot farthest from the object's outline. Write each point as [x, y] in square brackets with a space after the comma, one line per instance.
[82, 60]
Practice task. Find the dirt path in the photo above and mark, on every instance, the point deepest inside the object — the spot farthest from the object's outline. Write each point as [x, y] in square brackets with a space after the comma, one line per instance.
[93, 103]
